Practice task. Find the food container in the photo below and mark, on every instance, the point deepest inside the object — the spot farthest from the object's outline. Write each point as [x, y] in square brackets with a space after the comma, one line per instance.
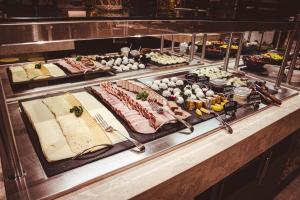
[218, 83]
[183, 47]
[195, 49]
[125, 51]
[254, 61]
[135, 53]
[214, 53]
[241, 94]
[145, 50]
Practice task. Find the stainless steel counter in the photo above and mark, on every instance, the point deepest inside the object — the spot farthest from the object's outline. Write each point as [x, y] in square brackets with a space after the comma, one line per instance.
[40, 186]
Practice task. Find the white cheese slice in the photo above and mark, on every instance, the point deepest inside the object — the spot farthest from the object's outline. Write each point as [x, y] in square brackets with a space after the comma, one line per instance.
[76, 132]
[52, 140]
[99, 137]
[33, 73]
[18, 74]
[58, 105]
[93, 106]
[54, 70]
[37, 111]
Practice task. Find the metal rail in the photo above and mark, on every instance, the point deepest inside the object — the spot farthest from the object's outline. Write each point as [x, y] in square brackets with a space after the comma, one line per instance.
[162, 43]
[238, 55]
[9, 142]
[228, 50]
[285, 59]
[192, 48]
[204, 39]
[294, 60]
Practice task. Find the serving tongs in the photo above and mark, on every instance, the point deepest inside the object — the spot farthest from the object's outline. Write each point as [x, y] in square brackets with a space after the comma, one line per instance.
[269, 95]
[265, 95]
[222, 121]
[161, 110]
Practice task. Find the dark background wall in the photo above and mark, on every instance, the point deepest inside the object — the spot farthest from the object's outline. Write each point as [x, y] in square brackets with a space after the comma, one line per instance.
[209, 9]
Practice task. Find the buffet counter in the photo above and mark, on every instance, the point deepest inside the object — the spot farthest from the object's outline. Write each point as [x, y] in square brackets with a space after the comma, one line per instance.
[141, 123]
[194, 167]
[186, 169]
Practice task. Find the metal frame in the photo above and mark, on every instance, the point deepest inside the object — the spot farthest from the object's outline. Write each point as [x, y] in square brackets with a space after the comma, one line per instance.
[162, 43]
[15, 167]
[238, 55]
[294, 60]
[278, 40]
[228, 50]
[261, 40]
[204, 39]
[285, 59]
[192, 49]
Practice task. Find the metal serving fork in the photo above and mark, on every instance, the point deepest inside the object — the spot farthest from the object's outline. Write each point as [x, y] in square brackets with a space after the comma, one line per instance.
[109, 128]
[160, 110]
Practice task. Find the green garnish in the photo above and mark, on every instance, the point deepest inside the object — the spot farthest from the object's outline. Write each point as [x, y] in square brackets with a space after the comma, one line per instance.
[142, 96]
[78, 58]
[38, 66]
[77, 110]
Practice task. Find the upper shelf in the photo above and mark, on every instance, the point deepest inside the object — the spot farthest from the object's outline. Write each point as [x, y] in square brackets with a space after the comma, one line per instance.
[53, 31]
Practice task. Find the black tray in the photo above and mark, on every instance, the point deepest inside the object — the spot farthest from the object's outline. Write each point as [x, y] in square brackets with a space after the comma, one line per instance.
[23, 85]
[167, 65]
[57, 167]
[30, 84]
[85, 76]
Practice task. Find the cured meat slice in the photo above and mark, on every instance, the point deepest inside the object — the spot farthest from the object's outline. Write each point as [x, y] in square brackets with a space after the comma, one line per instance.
[123, 110]
[68, 67]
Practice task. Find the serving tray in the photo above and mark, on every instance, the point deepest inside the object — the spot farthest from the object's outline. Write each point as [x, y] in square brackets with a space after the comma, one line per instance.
[57, 167]
[30, 84]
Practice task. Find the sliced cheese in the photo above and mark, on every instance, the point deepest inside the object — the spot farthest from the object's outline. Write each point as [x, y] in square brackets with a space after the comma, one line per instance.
[53, 142]
[33, 73]
[62, 134]
[54, 70]
[18, 74]
[58, 105]
[93, 106]
[77, 132]
[37, 111]
[97, 133]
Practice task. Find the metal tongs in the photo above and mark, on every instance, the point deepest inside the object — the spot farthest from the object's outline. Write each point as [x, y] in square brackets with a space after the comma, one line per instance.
[222, 121]
[160, 110]
[267, 97]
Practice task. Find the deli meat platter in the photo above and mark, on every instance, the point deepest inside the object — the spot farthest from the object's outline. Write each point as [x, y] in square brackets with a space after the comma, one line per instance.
[69, 130]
